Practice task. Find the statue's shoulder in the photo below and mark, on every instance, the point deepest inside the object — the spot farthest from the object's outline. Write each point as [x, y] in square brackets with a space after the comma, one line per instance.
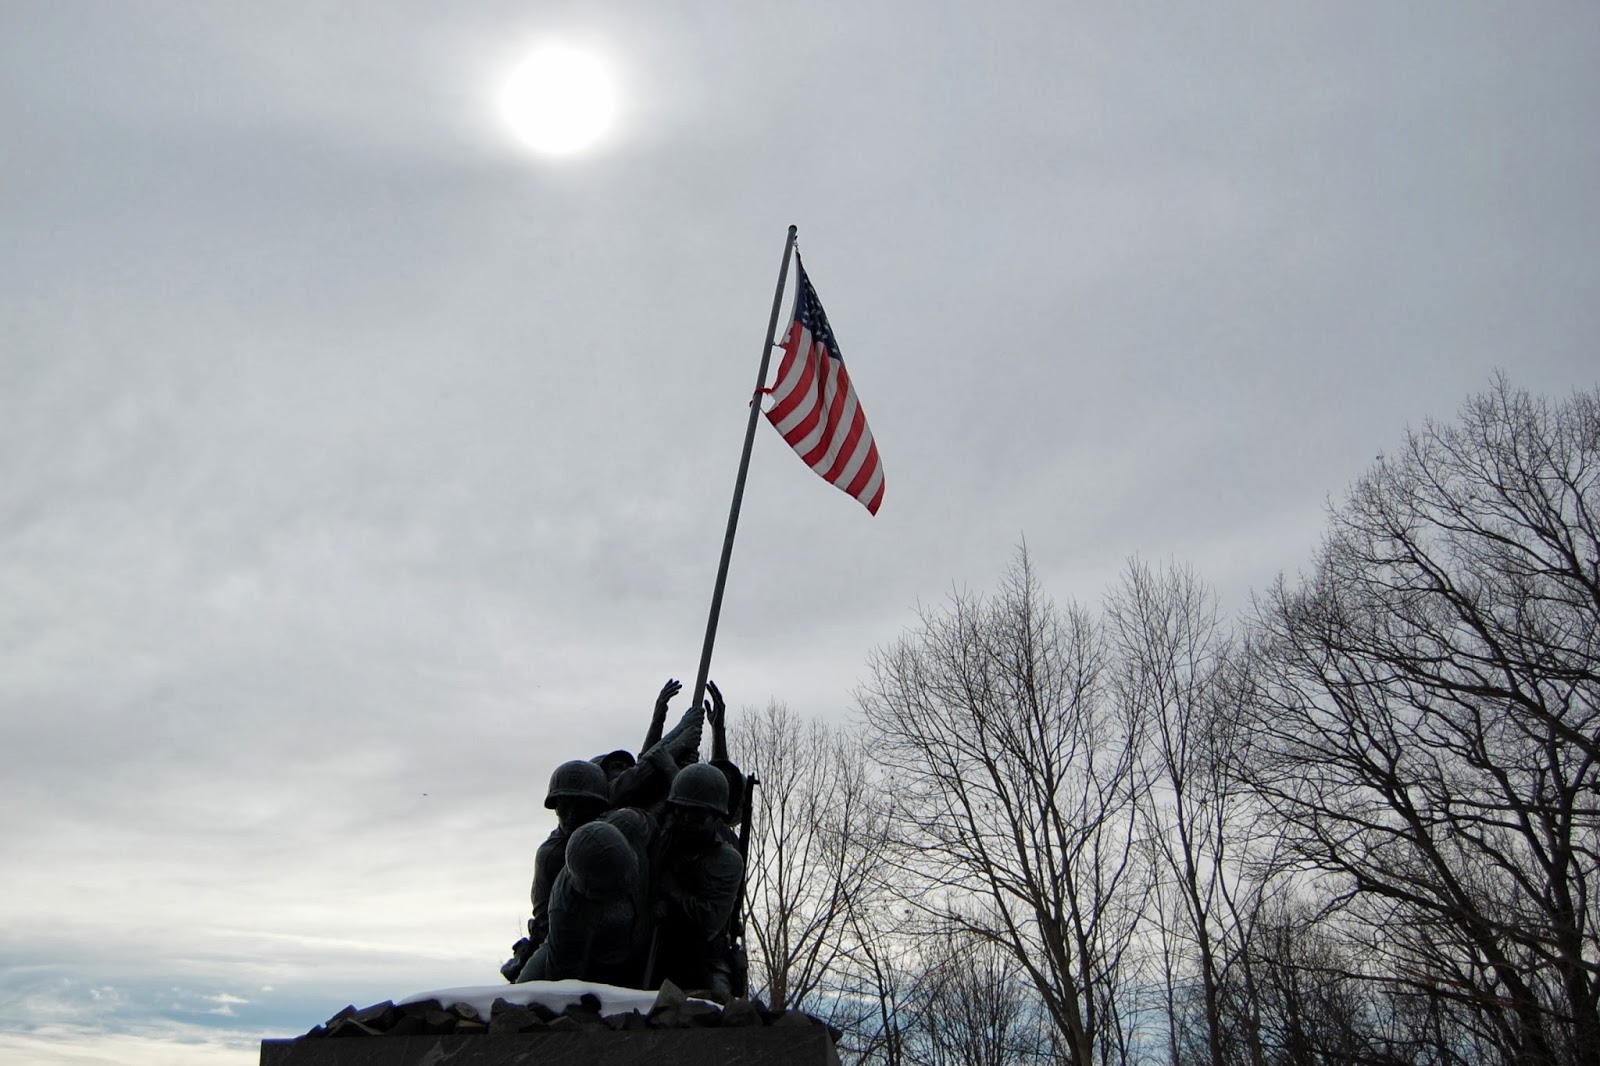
[725, 857]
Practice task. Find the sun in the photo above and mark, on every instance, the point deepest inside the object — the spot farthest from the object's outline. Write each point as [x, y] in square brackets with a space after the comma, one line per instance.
[559, 100]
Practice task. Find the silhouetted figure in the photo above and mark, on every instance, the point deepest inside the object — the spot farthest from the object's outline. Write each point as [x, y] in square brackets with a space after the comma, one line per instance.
[697, 874]
[598, 922]
[578, 793]
[643, 872]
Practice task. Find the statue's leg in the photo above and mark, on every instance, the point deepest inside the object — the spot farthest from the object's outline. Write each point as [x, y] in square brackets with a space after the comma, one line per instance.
[721, 980]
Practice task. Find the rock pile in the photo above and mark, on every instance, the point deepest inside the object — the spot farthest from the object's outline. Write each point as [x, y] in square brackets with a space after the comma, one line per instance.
[672, 1010]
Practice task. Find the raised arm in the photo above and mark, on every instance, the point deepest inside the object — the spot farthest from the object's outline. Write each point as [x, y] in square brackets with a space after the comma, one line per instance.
[717, 716]
[658, 719]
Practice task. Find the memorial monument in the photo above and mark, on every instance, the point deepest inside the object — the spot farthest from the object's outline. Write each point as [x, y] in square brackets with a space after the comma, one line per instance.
[634, 952]
[644, 873]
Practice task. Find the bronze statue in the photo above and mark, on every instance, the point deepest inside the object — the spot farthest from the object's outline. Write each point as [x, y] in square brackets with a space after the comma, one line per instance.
[641, 877]
[697, 876]
[578, 793]
[597, 911]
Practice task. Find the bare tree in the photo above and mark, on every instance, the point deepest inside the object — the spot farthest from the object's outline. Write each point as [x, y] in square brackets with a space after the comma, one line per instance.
[1430, 729]
[1012, 780]
[1315, 1001]
[813, 847]
[886, 976]
[1170, 663]
[975, 1007]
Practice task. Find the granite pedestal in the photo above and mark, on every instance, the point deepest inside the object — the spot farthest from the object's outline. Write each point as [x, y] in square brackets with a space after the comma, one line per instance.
[809, 1046]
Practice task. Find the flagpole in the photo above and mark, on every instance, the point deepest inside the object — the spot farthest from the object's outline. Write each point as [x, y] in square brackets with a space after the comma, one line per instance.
[738, 484]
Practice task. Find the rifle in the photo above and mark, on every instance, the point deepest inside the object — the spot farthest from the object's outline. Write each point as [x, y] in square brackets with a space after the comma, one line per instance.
[738, 958]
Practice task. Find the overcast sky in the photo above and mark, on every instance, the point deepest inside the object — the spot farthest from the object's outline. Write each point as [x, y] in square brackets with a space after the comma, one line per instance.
[358, 465]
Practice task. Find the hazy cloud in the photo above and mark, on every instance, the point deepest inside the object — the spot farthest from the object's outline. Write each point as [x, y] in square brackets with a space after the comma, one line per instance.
[358, 467]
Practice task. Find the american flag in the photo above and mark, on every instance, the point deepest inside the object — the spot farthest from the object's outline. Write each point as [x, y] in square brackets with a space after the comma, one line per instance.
[815, 408]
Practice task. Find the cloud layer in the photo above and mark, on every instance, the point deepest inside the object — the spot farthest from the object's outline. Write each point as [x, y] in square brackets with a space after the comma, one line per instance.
[358, 467]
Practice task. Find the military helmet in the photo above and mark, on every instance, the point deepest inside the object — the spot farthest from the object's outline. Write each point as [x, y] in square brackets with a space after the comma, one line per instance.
[700, 785]
[600, 861]
[578, 779]
[618, 761]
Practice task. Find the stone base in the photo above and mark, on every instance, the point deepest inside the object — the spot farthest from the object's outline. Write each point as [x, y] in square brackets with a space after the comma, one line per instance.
[786, 1046]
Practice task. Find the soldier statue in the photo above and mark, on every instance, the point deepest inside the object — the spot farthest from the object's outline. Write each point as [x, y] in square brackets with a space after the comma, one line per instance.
[578, 793]
[697, 876]
[598, 926]
[640, 880]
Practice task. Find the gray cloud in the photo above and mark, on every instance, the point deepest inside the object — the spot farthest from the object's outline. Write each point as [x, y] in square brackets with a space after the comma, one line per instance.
[356, 467]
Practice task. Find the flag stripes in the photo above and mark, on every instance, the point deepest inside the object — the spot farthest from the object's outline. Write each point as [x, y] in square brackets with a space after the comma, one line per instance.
[815, 408]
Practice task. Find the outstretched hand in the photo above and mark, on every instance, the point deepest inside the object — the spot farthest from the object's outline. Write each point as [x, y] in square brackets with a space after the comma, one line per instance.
[716, 710]
[669, 690]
